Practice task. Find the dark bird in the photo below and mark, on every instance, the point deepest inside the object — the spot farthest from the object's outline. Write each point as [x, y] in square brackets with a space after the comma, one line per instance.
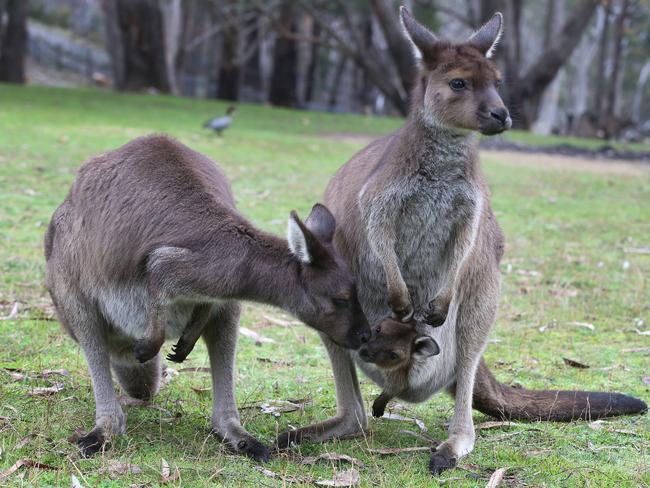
[219, 124]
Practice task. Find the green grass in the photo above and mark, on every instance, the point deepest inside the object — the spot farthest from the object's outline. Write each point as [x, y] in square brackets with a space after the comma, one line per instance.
[567, 234]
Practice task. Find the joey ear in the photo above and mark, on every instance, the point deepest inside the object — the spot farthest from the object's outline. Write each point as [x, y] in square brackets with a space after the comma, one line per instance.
[297, 237]
[423, 40]
[321, 223]
[425, 346]
[487, 37]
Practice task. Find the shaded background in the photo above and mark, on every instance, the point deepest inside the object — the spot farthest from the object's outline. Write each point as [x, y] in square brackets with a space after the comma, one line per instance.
[571, 67]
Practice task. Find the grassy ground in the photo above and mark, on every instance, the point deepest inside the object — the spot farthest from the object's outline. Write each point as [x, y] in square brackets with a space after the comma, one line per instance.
[570, 258]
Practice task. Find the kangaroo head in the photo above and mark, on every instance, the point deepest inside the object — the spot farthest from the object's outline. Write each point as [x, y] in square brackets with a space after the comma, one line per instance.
[394, 344]
[330, 304]
[457, 84]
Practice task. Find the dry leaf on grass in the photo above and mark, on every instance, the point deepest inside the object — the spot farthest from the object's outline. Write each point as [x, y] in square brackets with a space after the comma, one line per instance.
[389, 451]
[47, 390]
[636, 349]
[332, 456]
[625, 431]
[344, 478]
[494, 425]
[286, 479]
[200, 390]
[166, 475]
[596, 424]
[24, 441]
[202, 369]
[277, 407]
[575, 364]
[116, 468]
[13, 314]
[167, 376]
[258, 338]
[75, 482]
[420, 435]
[27, 463]
[280, 322]
[584, 325]
[646, 380]
[396, 416]
[642, 332]
[52, 372]
[496, 478]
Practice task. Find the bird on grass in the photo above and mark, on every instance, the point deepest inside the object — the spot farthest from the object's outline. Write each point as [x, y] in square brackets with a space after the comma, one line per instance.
[219, 124]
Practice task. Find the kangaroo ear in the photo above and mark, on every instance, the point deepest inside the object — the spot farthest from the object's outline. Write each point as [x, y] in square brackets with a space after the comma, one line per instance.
[297, 236]
[423, 40]
[487, 37]
[321, 223]
[424, 347]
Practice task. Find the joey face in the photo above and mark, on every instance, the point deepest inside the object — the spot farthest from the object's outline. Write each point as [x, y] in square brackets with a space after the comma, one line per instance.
[457, 84]
[395, 344]
[329, 301]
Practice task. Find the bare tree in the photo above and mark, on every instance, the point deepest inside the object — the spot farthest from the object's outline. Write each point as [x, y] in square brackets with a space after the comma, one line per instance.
[229, 70]
[283, 89]
[607, 121]
[13, 42]
[135, 42]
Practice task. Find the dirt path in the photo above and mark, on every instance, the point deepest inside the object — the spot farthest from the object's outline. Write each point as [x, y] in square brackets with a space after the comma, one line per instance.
[538, 160]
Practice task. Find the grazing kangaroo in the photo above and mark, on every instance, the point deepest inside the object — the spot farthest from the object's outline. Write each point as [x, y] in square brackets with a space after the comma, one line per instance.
[392, 347]
[416, 227]
[148, 244]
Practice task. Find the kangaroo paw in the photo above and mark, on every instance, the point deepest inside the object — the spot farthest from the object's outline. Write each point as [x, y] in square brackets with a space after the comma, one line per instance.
[179, 352]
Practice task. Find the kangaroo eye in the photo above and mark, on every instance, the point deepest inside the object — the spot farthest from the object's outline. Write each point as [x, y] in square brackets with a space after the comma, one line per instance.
[341, 302]
[457, 84]
[377, 330]
[394, 356]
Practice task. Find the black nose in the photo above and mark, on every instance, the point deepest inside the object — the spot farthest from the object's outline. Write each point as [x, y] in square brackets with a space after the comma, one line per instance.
[365, 335]
[500, 114]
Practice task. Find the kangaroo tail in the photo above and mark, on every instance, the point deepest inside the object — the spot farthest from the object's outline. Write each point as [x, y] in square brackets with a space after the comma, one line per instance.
[509, 403]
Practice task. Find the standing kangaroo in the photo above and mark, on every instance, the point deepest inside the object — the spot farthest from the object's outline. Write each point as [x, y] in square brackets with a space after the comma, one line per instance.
[416, 227]
[148, 244]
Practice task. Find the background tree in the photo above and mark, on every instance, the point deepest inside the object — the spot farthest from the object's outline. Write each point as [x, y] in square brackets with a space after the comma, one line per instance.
[13, 40]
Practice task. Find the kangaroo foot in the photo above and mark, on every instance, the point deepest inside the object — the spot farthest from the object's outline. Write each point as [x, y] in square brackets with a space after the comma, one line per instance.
[442, 458]
[92, 443]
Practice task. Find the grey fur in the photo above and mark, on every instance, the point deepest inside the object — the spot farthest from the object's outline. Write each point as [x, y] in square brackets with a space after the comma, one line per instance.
[148, 245]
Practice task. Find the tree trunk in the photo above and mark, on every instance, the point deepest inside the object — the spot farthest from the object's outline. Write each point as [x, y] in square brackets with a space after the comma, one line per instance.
[135, 42]
[310, 82]
[528, 90]
[252, 70]
[172, 17]
[610, 101]
[599, 91]
[283, 89]
[14, 42]
[229, 69]
[398, 45]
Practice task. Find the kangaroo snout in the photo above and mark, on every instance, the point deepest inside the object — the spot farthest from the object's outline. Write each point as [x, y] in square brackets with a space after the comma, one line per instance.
[494, 121]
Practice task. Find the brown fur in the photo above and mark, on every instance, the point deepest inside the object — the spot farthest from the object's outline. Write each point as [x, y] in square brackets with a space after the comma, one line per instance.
[148, 245]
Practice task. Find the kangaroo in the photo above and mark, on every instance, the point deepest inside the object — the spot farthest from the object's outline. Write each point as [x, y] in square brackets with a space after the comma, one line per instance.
[148, 244]
[393, 345]
[416, 227]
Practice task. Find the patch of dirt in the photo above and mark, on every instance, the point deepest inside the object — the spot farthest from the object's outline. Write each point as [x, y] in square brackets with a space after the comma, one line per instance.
[569, 163]
[536, 159]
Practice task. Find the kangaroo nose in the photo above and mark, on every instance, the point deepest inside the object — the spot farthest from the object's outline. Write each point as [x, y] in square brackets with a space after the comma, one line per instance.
[501, 114]
[365, 335]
